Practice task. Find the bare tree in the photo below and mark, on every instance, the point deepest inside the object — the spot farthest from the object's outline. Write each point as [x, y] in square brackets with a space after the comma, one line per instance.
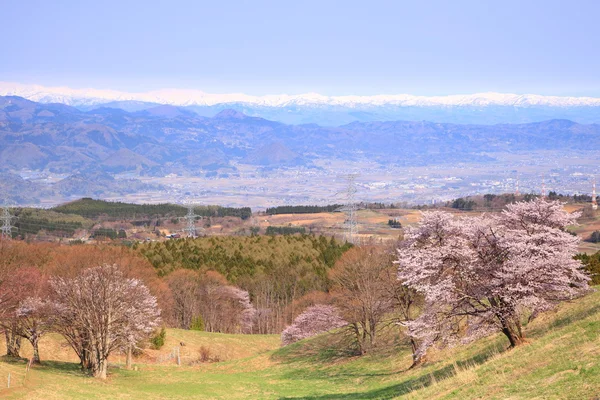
[100, 311]
[184, 286]
[361, 291]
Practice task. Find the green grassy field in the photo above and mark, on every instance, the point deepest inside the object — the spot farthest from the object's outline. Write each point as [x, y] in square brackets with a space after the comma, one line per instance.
[560, 361]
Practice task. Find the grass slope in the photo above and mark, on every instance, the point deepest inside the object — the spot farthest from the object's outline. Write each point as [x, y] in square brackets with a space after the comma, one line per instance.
[560, 361]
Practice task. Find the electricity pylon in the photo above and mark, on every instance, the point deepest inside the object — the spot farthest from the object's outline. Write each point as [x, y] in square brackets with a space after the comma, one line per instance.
[350, 208]
[7, 225]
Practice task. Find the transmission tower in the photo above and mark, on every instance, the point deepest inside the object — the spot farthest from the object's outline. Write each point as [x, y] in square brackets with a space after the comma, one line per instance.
[543, 187]
[594, 202]
[517, 186]
[350, 209]
[190, 220]
[7, 219]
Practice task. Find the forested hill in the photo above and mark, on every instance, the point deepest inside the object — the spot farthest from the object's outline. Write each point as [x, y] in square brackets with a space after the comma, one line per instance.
[275, 270]
[242, 258]
[91, 208]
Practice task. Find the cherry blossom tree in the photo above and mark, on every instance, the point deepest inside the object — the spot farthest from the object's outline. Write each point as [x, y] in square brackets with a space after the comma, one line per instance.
[100, 311]
[35, 317]
[238, 303]
[224, 308]
[484, 274]
[23, 283]
[314, 320]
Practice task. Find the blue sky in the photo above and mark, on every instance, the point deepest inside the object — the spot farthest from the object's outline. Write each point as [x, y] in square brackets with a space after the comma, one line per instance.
[330, 47]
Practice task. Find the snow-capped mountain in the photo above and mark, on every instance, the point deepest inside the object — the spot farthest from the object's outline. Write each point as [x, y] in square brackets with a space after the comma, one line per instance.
[185, 97]
[332, 110]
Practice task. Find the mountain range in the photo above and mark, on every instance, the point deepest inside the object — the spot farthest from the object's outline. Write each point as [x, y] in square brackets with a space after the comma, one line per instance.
[90, 146]
[165, 139]
[481, 108]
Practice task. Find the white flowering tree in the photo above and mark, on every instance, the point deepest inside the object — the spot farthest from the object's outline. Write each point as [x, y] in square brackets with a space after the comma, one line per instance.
[483, 274]
[314, 320]
[239, 307]
[23, 311]
[100, 311]
[35, 317]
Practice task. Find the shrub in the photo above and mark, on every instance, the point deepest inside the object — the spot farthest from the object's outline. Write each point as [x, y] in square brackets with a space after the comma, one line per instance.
[158, 340]
[591, 264]
[204, 354]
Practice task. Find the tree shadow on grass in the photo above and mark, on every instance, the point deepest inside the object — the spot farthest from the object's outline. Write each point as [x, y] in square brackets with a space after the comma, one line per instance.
[13, 360]
[322, 349]
[63, 367]
[332, 347]
[410, 384]
[389, 392]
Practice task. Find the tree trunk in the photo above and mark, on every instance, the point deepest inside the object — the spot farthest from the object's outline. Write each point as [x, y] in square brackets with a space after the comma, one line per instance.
[363, 340]
[87, 361]
[100, 370]
[128, 358]
[359, 339]
[372, 333]
[13, 343]
[36, 350]
[417, 360]
[512, 329]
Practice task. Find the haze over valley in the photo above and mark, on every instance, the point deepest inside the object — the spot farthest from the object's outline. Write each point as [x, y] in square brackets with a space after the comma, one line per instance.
[53, 152]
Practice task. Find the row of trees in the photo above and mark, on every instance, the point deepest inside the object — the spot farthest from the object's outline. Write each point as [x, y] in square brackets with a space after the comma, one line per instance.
[453, 280]
[206, 301]
[496, 202]
[301, 209]
[285, 230]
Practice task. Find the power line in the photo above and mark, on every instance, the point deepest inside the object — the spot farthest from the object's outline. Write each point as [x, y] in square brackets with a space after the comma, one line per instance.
[594, 202]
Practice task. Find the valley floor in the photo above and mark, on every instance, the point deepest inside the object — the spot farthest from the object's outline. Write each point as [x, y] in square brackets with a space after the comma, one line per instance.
[561, 360]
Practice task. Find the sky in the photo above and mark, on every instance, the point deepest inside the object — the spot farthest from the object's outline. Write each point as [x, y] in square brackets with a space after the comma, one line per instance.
[349, 47]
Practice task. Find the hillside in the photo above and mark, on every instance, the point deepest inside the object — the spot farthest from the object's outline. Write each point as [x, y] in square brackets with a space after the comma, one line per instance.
[560, 361]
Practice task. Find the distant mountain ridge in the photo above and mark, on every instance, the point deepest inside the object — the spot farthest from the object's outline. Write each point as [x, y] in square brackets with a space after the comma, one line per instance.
[91, 146]
[173, 139]
[484, 108]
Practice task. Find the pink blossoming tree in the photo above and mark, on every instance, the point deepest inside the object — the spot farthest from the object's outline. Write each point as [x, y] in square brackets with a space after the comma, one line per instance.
[314, 320]
[35, 317]
[481, 275]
